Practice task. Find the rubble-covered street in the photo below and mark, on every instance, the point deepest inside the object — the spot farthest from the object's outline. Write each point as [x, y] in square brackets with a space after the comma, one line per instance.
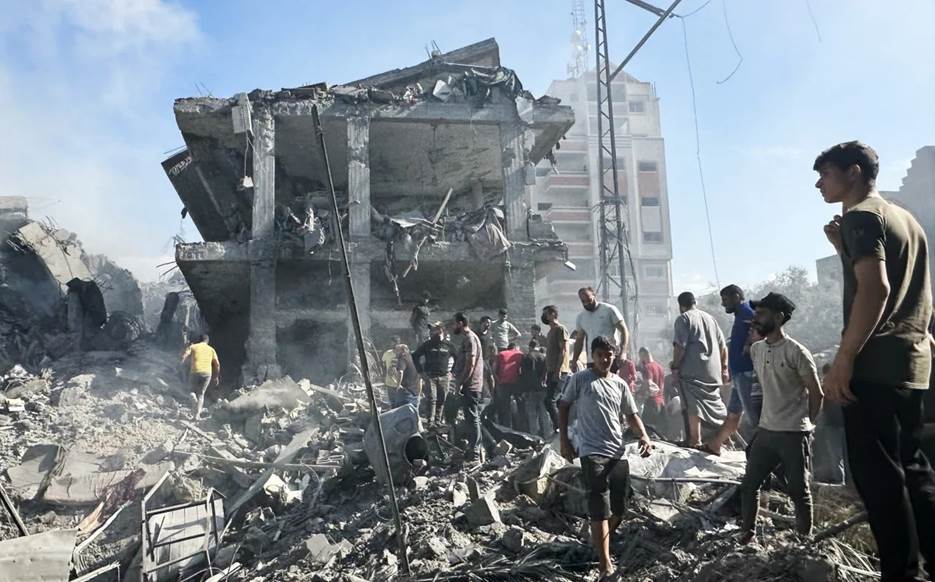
[331, 292]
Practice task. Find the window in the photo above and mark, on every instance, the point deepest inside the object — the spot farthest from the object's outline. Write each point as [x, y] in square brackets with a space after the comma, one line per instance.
[652, 237]
[654, 272]
[648, 167]
[637, 107]
[649, 201]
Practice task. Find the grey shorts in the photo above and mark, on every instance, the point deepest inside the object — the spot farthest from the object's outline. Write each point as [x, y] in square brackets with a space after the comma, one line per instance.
[199, 382]
[607, 482]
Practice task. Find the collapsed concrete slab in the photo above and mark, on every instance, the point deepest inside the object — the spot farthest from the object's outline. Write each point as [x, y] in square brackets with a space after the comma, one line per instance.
[267, 278]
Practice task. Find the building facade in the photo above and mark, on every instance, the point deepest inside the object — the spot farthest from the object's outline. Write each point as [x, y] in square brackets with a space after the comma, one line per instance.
[268, 278]
[568, 196]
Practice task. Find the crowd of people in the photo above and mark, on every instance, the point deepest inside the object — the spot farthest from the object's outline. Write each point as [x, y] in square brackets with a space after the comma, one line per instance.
[798, 421]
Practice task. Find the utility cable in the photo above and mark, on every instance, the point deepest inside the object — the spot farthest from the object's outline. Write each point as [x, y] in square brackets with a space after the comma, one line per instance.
[811, 15]
[695, 11]
[730, 35]
[704, 192]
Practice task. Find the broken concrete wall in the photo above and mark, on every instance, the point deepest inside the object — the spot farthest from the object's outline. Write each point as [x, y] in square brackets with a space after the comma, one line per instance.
[120, 288]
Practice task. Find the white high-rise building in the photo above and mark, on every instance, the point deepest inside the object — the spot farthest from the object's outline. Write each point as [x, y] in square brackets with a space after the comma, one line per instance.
[568, 196]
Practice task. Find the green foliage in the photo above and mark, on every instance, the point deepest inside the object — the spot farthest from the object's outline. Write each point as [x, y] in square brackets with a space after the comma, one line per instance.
[817, 321]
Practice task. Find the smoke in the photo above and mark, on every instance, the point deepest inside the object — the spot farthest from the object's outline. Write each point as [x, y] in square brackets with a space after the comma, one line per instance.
[86, 120]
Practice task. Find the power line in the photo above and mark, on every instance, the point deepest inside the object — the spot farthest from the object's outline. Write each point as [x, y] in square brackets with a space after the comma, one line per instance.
[730, 35]
[704, 191]
[811, 15]
[695, 11]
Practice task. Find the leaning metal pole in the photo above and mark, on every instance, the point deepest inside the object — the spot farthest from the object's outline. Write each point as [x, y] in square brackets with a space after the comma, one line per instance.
[364, 365]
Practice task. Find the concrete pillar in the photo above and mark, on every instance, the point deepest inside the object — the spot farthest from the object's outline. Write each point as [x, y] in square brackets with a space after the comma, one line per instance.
[514, 182]
[360, 278]
[264, 173]
[520, 290]
[358, 175]
[261, 363]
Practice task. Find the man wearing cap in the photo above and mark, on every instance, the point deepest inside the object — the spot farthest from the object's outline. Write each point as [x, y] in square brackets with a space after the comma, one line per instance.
[503, 332]
[791, 402]
[433, 361]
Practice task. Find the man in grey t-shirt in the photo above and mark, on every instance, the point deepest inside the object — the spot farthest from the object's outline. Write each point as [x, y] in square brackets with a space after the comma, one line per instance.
[600, 398]
[791, 401]
[598, 319]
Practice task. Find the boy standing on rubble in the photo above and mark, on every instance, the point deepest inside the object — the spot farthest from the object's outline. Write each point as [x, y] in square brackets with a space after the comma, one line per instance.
[791, 402]
[205, 370]
[601, 398]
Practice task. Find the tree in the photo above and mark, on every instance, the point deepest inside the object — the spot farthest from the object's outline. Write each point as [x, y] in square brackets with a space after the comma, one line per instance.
[817, 321]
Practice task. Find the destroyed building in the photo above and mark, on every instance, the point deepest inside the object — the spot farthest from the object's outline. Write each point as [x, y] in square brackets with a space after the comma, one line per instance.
[252, 178]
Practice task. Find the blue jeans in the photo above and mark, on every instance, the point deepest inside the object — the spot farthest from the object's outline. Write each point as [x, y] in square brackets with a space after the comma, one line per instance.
[741, 397]
[402, 397]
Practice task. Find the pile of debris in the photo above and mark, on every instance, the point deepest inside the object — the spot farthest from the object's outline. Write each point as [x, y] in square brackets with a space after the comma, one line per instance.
[278, 484]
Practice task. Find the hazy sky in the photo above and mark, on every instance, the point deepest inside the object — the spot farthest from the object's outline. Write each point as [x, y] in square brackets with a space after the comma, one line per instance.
[86, 91]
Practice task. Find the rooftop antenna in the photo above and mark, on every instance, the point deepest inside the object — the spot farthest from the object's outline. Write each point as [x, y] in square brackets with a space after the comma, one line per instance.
[580, 47]
[436, 52]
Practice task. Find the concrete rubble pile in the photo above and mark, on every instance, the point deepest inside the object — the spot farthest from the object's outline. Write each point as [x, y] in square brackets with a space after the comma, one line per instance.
[286, 469]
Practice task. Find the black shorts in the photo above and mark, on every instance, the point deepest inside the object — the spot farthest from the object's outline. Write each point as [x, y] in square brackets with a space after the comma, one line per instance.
[607, 482]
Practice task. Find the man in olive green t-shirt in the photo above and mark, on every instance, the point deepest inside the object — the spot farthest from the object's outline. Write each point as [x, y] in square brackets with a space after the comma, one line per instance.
[883, 363]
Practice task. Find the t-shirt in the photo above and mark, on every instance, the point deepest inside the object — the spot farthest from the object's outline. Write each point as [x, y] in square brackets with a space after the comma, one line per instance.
[532, 371]
[202, 356]
[437, 354]
[420, 316]
[508, 366]
[782, 369]
[602, 321]
[487, 346]
[653, 371]
[737, 359]
[470, 350]
[898, 352]
[599, 402]
[410, 379]
[389, 364]
[700, 336]
[500, 333]
[555, 342]
[627, 371]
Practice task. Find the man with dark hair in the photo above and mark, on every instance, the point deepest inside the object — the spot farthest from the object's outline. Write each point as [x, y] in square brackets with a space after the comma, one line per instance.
[556, 361]
[699, 362]
[469, 381]
[791, 401]
[741, 369]
[389, 365]
[598, 319]
[882, 365]
[408, 386]
[205, 370]
[601, 398]
[535, 333]
[419, 318]
[489, 352]
[532, 375]
[654, 381]
[506, 369]
[437, 353]
[502, 331]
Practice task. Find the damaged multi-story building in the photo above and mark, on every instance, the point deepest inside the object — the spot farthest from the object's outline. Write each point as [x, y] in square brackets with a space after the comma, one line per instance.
[268, 277]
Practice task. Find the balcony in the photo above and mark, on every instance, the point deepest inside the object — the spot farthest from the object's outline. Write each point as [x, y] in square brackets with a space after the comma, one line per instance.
[559, 214]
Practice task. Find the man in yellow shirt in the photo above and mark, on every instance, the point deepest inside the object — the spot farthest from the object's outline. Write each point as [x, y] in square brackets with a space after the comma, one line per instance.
[205, 370]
